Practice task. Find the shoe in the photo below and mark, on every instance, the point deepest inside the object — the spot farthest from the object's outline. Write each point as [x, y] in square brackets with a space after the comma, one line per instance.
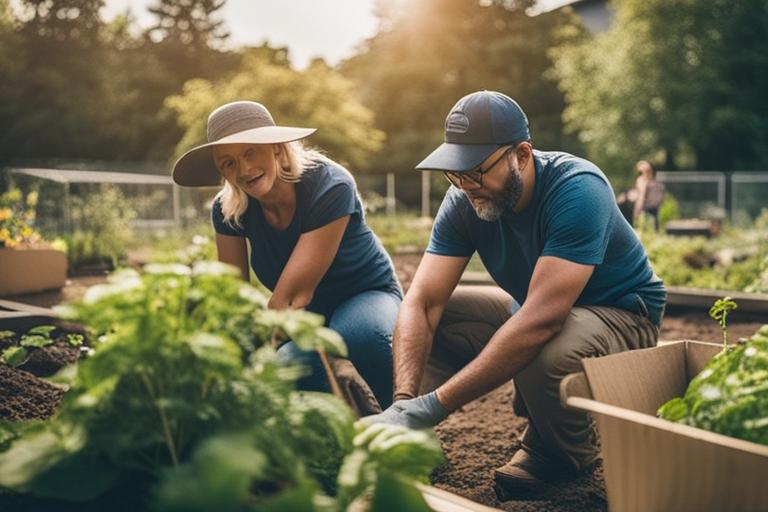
[528, 472]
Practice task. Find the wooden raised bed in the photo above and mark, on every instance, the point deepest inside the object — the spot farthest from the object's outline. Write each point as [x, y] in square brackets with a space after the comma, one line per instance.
[677, 296]
[31, 270]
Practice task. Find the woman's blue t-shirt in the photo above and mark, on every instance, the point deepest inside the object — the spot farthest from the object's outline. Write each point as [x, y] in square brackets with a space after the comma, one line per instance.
[326, 192]
[572, 215]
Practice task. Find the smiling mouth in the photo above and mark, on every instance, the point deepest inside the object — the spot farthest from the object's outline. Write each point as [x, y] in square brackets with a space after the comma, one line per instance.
[250, 180]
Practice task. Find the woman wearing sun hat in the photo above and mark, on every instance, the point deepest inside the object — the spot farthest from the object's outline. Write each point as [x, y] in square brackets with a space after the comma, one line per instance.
[301, 216]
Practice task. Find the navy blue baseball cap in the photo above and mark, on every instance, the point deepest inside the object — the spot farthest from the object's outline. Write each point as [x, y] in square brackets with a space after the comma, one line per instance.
[479, 124]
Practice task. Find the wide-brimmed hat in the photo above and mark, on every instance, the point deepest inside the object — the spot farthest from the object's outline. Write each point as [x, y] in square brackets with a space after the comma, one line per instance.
[239, 122]
[479, 124]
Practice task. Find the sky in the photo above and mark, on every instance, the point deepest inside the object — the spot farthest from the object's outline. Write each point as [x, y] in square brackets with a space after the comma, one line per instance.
[331, 29]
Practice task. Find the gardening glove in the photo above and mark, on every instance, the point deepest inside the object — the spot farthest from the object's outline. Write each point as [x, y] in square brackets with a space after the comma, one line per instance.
[424, 411]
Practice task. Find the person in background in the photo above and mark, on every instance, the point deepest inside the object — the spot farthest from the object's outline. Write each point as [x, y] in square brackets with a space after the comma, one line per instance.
[573, 279]
[300, 215]
[649, 193]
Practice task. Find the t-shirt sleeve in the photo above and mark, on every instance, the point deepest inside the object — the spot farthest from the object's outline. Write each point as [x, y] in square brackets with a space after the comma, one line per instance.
[221, 227]
[579, 217]
[333, 200]
[449, 231]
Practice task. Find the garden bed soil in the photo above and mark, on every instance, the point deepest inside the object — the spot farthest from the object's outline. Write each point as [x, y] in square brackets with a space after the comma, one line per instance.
[476, 439]
[24, 394]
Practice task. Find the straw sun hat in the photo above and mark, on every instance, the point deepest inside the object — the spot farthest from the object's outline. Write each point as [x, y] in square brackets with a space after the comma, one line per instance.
[234, 123]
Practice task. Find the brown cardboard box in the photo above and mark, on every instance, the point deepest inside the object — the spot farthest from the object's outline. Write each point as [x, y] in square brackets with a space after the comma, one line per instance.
[31, 270]
[655, 465]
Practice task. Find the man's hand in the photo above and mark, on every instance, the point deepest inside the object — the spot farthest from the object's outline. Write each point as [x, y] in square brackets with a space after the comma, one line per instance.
[424, 411]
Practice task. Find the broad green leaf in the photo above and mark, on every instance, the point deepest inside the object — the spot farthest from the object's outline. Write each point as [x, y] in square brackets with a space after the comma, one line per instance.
[219, 477]
[43, 330]
[35, 453]
[395, 493]
[35, 340]
[15, 356]
[6, 334]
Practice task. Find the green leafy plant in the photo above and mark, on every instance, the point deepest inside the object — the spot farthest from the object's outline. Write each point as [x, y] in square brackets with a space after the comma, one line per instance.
[36, 338]
[183, 405]
[730, 395]
[719, 312]
[102, 227]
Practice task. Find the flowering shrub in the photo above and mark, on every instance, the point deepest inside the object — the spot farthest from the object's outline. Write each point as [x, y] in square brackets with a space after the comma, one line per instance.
[17, 219]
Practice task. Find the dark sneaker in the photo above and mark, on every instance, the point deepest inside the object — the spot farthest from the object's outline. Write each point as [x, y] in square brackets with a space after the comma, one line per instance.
[528, 473]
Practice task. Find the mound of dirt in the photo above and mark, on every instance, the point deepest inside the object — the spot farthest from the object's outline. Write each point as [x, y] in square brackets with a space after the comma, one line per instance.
[24, 396]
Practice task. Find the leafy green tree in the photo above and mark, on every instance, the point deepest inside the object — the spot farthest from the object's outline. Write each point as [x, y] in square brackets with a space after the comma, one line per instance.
[318, 97]
[54, 76]
[680, 82]
[187, 33]
[428, 54]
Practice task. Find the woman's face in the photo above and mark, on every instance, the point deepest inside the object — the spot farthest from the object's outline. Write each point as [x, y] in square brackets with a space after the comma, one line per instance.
[251, 167]
[643, 169]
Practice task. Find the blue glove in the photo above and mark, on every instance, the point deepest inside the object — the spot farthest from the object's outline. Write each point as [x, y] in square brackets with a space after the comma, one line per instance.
[424, 411]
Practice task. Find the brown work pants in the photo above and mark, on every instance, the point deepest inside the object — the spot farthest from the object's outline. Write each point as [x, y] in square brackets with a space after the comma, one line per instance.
[474, 313]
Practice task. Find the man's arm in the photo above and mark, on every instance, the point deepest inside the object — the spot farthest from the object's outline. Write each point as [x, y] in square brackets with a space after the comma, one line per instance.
[555, 285]
[420, 312]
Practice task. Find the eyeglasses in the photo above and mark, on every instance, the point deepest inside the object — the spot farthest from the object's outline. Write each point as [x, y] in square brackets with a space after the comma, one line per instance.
[473, 180]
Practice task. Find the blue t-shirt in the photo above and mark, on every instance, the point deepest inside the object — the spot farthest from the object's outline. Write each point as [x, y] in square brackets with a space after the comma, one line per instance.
[325, 193]
[572, 215]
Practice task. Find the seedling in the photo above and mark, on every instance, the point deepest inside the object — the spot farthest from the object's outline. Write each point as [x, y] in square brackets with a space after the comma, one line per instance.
[719, 312]
[36, 338]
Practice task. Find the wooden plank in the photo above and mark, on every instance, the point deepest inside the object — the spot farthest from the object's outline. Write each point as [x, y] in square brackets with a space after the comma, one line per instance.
[696, 298]
[443, 501]
[700, 298]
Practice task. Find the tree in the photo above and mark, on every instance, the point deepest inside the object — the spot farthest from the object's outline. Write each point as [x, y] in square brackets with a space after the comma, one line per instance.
[681, 82]
[318, 97]
[186, 33]
[428, 54]
[49, 91]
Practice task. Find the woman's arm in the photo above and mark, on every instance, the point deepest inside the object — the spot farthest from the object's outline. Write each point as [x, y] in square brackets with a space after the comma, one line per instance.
[307, 265]
[233, 250]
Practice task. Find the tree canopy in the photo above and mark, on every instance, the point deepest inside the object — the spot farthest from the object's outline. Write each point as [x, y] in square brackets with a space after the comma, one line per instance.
[680, 82]
[428, 54]
[318, 97]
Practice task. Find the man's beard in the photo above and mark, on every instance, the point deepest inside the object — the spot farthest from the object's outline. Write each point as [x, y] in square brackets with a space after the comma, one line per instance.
[493, 208]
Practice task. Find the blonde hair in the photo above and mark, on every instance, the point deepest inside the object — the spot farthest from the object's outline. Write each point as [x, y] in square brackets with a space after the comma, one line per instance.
[234, 201]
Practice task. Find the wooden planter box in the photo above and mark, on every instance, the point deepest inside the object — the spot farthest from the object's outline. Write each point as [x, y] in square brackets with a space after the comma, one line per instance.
[654, 465]
[31, 270]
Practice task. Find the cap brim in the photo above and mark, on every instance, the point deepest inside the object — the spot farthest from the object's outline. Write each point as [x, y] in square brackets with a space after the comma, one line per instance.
[196, 168]
[457, 157]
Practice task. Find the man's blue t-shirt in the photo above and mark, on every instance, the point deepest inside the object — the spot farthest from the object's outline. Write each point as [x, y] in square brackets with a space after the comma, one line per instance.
[325, 193]
[572, 215]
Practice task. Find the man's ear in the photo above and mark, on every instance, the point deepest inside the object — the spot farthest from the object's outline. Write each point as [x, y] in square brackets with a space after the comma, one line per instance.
[524, 153]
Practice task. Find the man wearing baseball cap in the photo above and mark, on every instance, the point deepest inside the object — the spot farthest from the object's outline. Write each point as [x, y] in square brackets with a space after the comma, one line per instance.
[573, 280]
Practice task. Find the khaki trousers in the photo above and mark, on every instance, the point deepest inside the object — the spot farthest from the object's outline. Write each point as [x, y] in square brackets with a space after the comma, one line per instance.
[472, 316]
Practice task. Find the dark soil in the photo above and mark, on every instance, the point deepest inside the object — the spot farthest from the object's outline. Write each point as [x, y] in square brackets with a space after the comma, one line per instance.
[24, 396]
[476, 439]
[484, 434]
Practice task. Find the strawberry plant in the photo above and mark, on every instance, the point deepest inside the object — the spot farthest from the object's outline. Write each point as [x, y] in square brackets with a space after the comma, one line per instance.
[182, 405]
